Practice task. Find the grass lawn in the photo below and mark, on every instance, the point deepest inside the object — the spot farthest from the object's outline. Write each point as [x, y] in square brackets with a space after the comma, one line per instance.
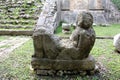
[100, 31]
[3, 38]
[107, 31]
[17, 66]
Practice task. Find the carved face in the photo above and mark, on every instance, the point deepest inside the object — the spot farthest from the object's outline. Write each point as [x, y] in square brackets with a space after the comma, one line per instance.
[85, 20]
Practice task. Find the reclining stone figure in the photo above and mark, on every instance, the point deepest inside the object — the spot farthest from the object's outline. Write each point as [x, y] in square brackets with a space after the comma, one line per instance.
[53, 53]
[81, 40]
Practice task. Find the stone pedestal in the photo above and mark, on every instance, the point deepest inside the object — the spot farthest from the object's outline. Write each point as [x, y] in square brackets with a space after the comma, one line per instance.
[46, 65]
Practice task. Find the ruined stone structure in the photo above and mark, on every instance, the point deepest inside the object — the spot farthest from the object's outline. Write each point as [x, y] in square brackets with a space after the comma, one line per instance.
[56, 56]
[103, 11]
[112, 14]
[95, 7]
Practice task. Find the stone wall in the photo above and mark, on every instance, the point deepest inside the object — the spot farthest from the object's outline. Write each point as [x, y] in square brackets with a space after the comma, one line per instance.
[103, 11]
[112, 14]
[95, 7]
[96, 4]
[49, 17]
[79, 4]
[54, 11]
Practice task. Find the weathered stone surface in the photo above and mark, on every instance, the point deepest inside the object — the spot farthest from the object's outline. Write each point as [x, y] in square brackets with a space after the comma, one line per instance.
[78, 4]
[42, 72]
[65, 5]
[109, 13]
[66, 28]
[96, 4]
[99, 18]
[41, 20]
[112, 14]
[53, 53]
[84, 35]
[16, 32]
[49, 17]
[48, 47]
[50, 64]
[116, 42]
[69, 16]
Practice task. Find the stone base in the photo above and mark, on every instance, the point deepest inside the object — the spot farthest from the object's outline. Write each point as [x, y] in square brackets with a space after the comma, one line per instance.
[41, 66]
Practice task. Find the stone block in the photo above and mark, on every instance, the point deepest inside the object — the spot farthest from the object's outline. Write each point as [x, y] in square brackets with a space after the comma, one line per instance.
[66, 26]
[41, 21]
[116, 42]
[65, 5]
[51, 64]
[69, 16]
[96, 4]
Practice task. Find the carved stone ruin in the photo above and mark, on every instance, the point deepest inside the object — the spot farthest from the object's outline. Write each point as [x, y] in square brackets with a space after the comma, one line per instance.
[66, 28]
[116, 42]
[95, 7]
[56, 56]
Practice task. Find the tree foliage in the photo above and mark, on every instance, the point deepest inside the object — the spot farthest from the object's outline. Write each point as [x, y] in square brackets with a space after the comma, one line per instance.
[117, 3]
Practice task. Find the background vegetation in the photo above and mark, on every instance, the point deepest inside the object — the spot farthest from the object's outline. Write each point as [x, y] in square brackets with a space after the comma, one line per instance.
[117, 3]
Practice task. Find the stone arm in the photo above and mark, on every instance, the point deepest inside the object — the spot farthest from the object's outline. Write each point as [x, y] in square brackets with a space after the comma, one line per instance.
[86, 41]
[81, 39]
[74, 35]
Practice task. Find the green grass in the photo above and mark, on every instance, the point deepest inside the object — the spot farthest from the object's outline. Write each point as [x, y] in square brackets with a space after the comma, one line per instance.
[17, 66]
[5, 46]
[3, 38]
[107, 31]
[100, 31]
[103, 52]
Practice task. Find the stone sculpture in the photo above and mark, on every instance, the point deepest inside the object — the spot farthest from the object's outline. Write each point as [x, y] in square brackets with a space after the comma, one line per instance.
[53, 55]
[84, 35]
[81, 40]
[116, 42]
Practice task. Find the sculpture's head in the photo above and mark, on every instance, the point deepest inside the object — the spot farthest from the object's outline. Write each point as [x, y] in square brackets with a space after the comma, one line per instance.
[84, 20]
